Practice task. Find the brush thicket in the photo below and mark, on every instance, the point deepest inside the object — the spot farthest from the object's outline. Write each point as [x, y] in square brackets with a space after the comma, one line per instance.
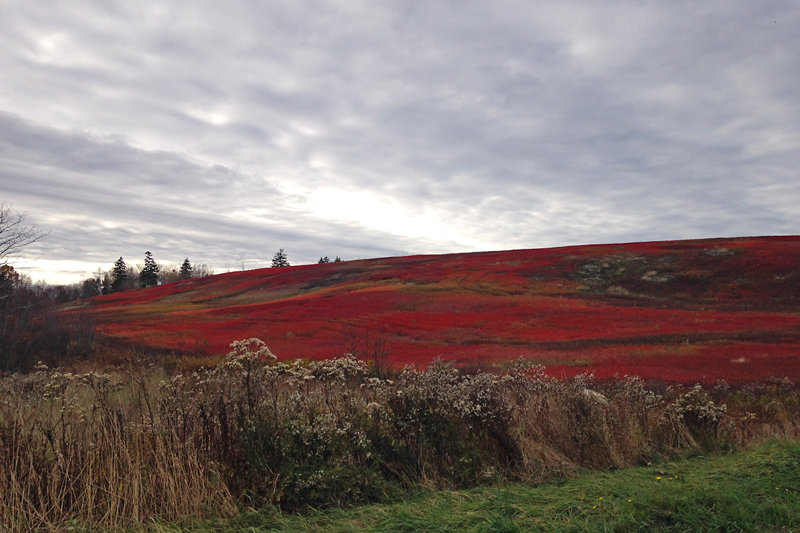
[115, 449]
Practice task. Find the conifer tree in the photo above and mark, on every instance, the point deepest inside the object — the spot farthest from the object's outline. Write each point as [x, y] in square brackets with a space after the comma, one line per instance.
[149, 274]
[323, 260]
[186, 270]
[280, 259]
[119, 275]
[337, 260]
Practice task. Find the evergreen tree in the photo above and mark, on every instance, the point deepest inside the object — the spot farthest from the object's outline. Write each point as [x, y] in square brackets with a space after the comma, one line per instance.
[149, 274]
[337, 260]
[186, 270]
[324, 260]
[119, 275]
[280, 260]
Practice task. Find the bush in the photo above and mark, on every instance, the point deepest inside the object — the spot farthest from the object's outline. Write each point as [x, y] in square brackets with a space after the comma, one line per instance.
[112, 450]
[32, 330]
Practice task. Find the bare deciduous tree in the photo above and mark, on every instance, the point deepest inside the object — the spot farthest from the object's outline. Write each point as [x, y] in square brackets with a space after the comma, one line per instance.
[14, 234]
[202, 270]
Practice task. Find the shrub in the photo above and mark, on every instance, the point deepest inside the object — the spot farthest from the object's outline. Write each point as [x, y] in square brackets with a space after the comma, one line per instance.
[114, 449]
[32, 330]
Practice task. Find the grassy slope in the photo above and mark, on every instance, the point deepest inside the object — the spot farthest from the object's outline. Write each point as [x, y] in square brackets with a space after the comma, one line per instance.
[754, 490]
[682, 311]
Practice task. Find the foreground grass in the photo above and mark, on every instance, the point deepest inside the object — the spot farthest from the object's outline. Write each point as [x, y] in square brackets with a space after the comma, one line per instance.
[754, 490]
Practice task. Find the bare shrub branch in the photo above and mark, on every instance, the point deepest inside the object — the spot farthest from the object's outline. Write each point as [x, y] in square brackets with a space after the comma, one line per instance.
[14, 234]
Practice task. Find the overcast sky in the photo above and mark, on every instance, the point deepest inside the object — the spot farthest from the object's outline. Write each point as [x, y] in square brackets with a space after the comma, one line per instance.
[362, 129]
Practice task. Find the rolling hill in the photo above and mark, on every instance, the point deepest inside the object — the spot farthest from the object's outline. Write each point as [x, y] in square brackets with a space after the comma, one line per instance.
[678, 311]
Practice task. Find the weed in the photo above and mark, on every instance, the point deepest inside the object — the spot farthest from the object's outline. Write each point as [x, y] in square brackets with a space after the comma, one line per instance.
[119, 448]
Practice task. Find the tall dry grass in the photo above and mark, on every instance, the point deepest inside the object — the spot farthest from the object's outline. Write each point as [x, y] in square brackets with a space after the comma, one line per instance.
[111, 450]
[97, 448]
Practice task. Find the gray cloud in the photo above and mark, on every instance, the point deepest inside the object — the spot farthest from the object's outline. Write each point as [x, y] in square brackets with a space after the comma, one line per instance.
[103, 199]
[367, 128]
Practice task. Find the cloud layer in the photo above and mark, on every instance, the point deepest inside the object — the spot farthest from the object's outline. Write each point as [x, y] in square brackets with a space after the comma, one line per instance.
[203, 130]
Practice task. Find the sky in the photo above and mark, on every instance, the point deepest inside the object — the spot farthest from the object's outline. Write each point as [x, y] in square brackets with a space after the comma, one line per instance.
[224, 131]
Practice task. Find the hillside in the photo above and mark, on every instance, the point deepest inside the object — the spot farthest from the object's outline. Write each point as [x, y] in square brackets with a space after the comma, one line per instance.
[679, 311]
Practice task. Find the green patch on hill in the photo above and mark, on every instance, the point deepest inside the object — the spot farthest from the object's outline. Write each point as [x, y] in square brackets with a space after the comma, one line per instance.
[754, 490]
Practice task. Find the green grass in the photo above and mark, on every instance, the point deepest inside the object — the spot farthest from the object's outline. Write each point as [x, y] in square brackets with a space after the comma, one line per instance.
[753, 490]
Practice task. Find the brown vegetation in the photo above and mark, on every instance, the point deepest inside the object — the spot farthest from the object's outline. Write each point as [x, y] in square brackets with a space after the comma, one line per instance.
[119, 448]
[32, 329]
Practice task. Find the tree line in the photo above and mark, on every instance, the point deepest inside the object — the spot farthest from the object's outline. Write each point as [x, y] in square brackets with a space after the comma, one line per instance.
[34, 324]
[31, 329]
[123, 277]
[15, 235]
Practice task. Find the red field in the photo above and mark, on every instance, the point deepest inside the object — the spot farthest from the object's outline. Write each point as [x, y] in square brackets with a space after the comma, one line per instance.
[679, 311]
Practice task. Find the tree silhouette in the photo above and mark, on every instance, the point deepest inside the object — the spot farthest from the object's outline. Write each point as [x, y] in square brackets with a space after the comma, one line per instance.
[8, 279]
[14, 236]
[186, 270]
[149, 274]
[119, 275]
[280, 260]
